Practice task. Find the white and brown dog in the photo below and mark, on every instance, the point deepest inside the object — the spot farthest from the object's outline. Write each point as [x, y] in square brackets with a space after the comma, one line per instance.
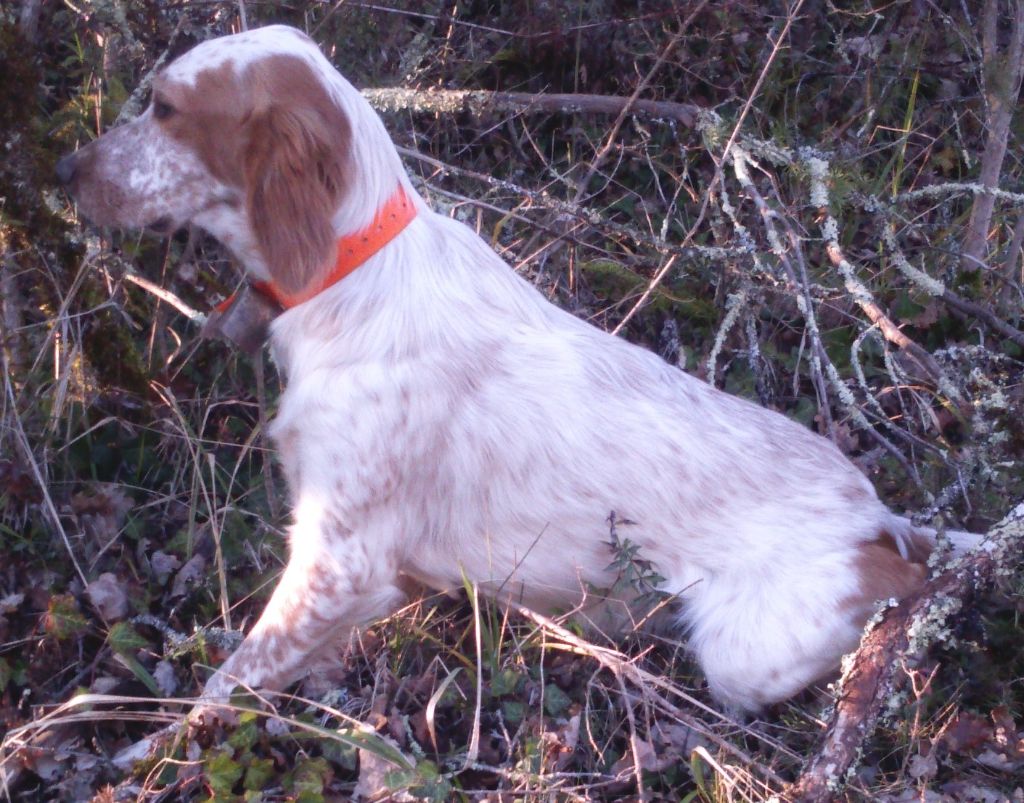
[442, 420]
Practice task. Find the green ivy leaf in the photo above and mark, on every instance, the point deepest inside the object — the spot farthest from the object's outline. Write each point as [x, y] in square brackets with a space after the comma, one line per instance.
[222, 773]
[310, 776]
[258, 774]
[123, 638]
[342, 754]
[505, 682]
[513, 711]
[555, 700]
[245, 735]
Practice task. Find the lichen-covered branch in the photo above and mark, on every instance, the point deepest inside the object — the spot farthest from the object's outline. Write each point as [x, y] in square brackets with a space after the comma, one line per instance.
[478, 102]
[939, 290]
[984, 315]
[904, 632]
[818, 171]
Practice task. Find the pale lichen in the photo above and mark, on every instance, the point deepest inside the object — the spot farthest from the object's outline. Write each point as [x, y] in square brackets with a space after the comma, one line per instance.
[932, 625]
[734, 305]
[918, 277]
[949, 188]
[817, 169]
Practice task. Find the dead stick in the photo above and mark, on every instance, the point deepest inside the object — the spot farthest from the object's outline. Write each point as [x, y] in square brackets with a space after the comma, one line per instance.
[984, 315]
[903, 633]
[447, 101]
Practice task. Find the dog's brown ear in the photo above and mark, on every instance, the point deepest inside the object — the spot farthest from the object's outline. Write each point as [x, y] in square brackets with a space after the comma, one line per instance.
[295, 167]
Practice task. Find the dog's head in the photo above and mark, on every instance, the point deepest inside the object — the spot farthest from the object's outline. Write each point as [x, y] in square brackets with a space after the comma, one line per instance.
[248, 136]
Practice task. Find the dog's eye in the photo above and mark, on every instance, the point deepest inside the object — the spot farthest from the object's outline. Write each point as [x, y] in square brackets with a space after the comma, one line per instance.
[162, 109]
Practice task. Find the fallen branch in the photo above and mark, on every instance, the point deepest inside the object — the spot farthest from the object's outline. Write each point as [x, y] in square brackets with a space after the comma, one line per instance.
[904, 632]
[479, 102]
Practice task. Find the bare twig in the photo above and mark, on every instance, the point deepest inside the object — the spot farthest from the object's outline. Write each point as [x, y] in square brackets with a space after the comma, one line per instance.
[609, 140]
[586, 215]
[722, 160]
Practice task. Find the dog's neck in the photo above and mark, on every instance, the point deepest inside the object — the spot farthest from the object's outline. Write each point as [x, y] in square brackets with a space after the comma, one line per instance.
[353, 250]
[244, 318]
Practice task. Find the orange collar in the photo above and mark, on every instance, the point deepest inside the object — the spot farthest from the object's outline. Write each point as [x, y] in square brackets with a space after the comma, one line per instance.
[353, 250]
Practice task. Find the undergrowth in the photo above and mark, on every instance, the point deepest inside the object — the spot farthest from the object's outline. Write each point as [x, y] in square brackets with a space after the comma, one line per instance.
[800, 242]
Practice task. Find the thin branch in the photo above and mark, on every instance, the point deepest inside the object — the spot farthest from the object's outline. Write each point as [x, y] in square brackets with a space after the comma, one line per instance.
[720, 162]
[585, 214]
[985, 315]
[609, 140]
[166, 296]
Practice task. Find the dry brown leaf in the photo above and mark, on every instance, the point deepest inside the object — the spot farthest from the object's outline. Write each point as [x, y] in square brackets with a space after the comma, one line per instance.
[108, 597]
[10, 603]
[189, 575]
[163, 564]
[967, 732]
[166, 680]
[922, 767]
[101, 511]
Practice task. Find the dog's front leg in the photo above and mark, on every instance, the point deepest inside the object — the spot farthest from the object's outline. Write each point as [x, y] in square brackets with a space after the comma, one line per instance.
[335, 580]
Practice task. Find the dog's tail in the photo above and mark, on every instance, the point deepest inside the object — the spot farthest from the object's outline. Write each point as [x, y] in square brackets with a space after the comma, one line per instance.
[916, 543]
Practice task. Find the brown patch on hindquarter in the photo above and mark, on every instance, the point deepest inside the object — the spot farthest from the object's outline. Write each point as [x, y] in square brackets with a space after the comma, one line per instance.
[883, 573]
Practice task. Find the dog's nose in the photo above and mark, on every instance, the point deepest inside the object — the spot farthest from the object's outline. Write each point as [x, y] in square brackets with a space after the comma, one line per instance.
[66, 169]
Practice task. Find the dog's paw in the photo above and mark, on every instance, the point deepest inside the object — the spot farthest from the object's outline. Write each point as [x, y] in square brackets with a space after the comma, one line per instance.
[207, 721]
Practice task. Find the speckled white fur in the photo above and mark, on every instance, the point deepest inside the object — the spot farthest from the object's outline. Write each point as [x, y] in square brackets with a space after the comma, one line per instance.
[442, 420]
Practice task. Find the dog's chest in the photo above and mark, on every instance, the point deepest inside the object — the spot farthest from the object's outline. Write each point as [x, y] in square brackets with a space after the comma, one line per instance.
[356, 435]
